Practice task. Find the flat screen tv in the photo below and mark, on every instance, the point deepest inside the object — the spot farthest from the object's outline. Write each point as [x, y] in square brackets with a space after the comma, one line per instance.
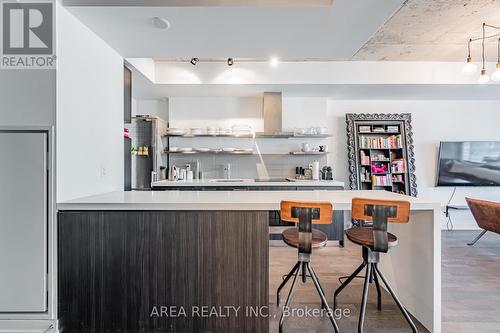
[469, 163]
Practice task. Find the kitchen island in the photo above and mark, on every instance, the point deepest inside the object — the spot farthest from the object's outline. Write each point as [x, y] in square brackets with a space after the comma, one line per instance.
[151, 261]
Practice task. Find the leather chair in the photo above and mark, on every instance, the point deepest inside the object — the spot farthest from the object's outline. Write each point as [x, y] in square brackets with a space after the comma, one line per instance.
[374, 241]
[305, 238]
[487, 216]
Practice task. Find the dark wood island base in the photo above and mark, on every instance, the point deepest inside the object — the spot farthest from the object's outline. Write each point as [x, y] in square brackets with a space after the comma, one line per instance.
[163, 271]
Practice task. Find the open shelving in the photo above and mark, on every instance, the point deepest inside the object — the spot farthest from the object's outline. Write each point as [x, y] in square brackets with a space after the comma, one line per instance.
[381, 152]
[256, 136]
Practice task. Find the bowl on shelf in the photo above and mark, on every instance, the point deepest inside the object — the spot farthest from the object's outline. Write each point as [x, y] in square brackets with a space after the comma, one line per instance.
[185, 149]
[176, 131]
[174, 149]
[196, 131]
[228, 149]
[203, 150]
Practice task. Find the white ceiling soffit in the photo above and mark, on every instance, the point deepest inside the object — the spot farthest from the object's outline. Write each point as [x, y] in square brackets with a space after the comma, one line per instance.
[334, 32]
[200, 3]
[433, 30]
[352, 80]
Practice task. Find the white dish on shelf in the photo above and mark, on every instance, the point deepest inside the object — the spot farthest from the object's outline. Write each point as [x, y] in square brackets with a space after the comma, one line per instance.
[189, 152]
[176, 131]
[203, 149]
[228, 149]
[174, 149]
[196, 131]
[185, 149]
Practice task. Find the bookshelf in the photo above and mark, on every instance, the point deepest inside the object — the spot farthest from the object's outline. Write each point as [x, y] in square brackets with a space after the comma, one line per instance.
[380, 151]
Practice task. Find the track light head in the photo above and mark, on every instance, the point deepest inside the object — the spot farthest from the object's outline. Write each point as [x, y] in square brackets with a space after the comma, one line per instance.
[230, 61]
[194, 61]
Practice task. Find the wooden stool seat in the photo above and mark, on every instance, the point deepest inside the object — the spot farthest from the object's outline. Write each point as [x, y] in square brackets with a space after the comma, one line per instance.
[291, 238]
[364, 237]
[375, 241]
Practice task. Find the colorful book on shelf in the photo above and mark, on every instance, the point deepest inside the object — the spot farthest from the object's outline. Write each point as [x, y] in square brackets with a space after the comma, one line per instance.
[398, 166]
[381, 180]
[378, 142]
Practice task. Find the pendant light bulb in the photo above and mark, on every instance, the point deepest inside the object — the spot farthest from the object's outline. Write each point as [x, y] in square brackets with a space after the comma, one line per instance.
[496, 75]
[484, 78]
[470, 67]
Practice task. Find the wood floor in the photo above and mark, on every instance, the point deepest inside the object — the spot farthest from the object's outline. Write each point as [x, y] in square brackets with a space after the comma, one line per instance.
[470, 282]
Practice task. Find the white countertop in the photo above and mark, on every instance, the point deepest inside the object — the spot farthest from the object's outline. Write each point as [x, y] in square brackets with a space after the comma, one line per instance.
[245, 182]
[228, 200]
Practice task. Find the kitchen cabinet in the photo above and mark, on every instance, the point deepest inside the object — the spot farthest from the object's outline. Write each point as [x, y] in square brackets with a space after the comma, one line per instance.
[24, 207]
[116, 267]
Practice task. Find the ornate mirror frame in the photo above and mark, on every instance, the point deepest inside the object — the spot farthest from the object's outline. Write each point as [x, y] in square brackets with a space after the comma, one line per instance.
[351, 119]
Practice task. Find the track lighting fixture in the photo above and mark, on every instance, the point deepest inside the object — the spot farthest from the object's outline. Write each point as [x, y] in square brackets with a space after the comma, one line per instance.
[230, 61]
[194, 61]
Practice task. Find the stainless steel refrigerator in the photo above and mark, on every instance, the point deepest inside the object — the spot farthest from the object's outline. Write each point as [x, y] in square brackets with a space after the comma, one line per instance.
[146, 153]
[25, 213]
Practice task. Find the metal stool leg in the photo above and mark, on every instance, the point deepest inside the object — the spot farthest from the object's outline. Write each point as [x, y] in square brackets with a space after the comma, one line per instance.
[304, 275]
[362, 309]
[346, 282]
[288, 299]
[296, 267]
[401, 307]
[323, 297]
[477, 238]
[377, 284]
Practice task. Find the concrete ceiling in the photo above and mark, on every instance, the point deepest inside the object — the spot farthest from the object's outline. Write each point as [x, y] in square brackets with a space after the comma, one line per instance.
[333, 32]
[434, 30]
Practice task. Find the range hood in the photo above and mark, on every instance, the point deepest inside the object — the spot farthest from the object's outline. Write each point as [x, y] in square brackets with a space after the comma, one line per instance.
[273, 115]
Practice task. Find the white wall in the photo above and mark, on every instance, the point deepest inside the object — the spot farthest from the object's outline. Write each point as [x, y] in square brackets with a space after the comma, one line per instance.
[151, 107]
[433, 121]
[89, 111]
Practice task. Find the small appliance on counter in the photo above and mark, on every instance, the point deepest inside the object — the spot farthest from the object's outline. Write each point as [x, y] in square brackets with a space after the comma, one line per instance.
[312, 172]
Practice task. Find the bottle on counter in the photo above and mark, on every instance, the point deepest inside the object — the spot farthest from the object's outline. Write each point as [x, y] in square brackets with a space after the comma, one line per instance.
[315, 170]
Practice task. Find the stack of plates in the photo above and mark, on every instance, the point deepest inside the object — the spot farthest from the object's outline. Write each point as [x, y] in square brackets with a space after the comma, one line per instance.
[242, 130]
[176, 131]
[196, 131]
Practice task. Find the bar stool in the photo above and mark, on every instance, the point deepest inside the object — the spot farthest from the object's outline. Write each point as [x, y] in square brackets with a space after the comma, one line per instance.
[304, 238]
[374, 241]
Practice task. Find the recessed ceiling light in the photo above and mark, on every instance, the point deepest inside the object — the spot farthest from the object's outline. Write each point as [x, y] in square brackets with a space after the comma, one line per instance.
[160, 23]
[194, 61]
[230, 61]
[274, 62]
